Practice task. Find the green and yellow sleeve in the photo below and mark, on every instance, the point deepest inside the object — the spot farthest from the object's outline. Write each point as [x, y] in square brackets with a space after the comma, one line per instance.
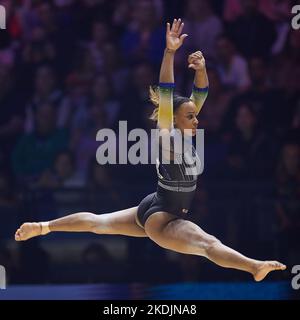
[199, 96]
[165, 108]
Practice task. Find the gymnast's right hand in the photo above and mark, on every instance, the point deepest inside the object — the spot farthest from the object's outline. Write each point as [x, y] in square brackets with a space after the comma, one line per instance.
[174, 38]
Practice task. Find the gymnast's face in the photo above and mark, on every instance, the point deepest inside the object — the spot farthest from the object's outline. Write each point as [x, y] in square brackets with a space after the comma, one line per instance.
[186, 118]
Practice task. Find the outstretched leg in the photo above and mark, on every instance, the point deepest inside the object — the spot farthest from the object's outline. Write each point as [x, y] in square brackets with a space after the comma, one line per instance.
[120, 222]
[186, 237]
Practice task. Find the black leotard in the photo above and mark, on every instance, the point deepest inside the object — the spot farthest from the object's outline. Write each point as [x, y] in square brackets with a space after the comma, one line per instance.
[177, 179]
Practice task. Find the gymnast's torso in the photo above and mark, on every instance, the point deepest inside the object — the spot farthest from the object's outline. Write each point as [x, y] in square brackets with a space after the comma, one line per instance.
[177, 173]
[177, 162]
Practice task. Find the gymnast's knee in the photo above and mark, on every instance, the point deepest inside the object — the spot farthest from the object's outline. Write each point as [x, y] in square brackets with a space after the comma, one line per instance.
[209, 244]
[97, 223]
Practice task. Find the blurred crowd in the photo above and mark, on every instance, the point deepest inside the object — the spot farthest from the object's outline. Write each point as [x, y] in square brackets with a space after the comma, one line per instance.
[71, 67]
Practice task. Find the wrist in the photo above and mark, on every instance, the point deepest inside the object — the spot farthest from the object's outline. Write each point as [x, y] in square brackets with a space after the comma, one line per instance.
[171, 51]
[44, 227]
[201, 69]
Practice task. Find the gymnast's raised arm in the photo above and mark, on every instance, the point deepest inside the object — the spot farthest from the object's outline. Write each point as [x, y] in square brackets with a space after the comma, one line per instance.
[174, 40]
[199, 94]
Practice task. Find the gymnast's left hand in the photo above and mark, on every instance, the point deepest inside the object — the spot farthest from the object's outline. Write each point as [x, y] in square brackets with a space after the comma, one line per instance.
[196, 61]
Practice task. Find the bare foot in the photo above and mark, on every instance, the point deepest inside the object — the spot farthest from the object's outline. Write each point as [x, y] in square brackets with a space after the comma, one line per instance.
[264, 267]
[27, 231]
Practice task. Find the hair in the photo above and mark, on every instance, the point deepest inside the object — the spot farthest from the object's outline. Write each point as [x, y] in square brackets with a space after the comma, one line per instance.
[154, 98]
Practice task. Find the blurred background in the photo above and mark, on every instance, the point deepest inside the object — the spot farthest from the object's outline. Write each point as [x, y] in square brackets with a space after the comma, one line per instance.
[71, 67]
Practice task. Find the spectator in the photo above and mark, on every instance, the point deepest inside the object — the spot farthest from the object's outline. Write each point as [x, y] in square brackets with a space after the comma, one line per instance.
[84, 66]
[102, 185]
[250, 152]
[86, 12]
[58, 30]
[64, 173]
[100, 36]
[252, 32]
[36, 151]
[65, 170]
[45, 91]
[265, 99]
[143, 38]
[103, 97]
[39, 50]
[286, 65]
[231, 66]
[276, 10]
[202, 26]
[115, 68]
[102, 112]
[74, 104]
[133, 105]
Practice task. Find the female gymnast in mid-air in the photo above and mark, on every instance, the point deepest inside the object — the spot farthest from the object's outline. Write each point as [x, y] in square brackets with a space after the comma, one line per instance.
[163, 215]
